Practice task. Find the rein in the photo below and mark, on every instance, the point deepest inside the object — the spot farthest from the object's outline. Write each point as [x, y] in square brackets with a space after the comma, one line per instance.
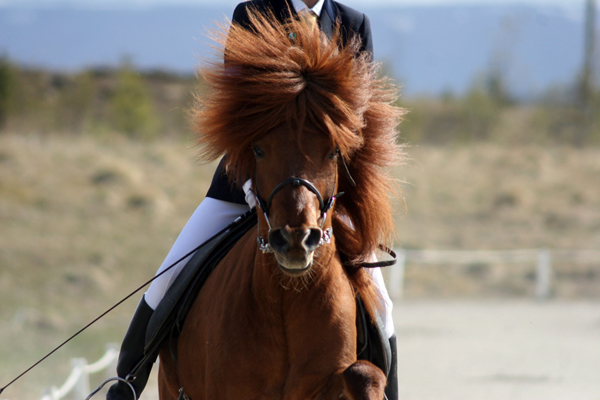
[237, 220]
[264, 246]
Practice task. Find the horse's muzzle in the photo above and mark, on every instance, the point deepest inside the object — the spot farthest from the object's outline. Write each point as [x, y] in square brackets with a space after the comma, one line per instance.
[294, 248]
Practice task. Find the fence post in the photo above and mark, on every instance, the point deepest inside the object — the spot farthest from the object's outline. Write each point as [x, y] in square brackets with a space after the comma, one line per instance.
[111, 370]
[82, 385]
[50, 393]
[542, 276]
[396, 284]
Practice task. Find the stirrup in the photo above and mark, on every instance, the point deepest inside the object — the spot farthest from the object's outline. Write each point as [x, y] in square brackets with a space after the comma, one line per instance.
[116, 378]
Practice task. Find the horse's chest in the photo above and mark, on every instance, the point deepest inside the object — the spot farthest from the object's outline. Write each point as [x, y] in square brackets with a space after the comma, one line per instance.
[258, 342]
[244, 354]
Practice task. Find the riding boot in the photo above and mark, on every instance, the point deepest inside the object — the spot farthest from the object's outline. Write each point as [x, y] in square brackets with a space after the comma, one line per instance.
[391, 390]
[132, 352]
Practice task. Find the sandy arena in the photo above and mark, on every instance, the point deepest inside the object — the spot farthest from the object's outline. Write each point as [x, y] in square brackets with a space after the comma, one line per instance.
[510, 350]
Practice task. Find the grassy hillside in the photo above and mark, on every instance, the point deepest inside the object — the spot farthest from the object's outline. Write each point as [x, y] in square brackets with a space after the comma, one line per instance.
[154, 104]
[492, 197]
[86, 219]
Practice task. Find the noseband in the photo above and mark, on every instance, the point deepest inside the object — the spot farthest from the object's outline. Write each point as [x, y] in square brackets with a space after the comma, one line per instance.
[324, 206]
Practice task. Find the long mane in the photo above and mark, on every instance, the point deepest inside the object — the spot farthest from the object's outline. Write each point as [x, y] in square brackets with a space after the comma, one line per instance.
[292, 74]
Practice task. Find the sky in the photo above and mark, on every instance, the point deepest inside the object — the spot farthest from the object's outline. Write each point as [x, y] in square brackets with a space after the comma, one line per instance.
[230, 3]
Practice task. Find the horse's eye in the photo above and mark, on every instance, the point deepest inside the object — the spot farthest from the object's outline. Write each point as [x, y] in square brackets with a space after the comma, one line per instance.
[333, 155]
[258, 153]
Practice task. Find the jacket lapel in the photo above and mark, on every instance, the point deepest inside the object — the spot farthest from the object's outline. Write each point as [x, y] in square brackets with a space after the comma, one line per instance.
[328, 18]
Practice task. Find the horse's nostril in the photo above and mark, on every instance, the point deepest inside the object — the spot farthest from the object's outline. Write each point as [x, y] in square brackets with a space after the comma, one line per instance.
[281, 241]
[278, 241]
[313, 238]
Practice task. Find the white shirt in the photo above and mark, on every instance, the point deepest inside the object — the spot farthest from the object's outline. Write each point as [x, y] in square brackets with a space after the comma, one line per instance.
[299, 5]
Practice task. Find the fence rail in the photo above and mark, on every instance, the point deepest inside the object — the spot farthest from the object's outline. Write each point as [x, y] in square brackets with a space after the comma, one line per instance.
[542, 258]
[78, 382]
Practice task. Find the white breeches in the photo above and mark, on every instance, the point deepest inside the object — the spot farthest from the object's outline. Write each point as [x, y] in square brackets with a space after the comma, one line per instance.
[210, 217]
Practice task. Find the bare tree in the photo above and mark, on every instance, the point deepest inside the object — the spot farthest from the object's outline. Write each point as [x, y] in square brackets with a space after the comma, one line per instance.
[586, 84]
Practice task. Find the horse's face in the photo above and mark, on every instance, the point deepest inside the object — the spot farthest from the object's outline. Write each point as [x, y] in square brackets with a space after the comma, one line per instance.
[294, 215]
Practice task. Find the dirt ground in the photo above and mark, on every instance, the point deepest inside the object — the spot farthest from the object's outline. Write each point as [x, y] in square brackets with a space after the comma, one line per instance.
[502, 349]
[495, 350]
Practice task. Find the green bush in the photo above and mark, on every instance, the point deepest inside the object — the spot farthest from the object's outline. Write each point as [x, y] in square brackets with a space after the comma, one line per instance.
[131, 105]
[74, 108]
[7, 89]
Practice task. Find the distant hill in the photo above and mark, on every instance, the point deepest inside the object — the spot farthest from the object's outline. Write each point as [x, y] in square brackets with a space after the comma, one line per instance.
[430, 49]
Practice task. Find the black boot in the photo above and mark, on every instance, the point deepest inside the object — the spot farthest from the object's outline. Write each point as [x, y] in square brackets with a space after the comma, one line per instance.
[391, 390]
[132, 352]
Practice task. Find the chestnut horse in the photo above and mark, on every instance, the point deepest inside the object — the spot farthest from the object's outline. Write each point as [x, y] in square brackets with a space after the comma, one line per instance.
[306, 118]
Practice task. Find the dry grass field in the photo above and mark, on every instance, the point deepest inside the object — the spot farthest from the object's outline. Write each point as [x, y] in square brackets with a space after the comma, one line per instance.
[84, 220]
[488, 197]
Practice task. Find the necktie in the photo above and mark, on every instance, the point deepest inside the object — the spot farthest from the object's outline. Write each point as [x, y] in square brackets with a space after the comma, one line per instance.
[310, 17]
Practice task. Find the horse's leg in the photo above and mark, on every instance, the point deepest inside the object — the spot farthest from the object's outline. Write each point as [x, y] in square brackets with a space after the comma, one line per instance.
[168, 380]
[363, 381]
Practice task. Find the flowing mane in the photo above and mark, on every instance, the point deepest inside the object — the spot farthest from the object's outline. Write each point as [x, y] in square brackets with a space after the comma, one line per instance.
[292, 74]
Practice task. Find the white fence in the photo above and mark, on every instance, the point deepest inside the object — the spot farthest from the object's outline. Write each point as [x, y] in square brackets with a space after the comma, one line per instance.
[542, 258]
[78, 382]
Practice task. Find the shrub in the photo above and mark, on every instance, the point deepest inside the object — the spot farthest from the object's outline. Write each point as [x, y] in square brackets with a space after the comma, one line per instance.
[132, 106]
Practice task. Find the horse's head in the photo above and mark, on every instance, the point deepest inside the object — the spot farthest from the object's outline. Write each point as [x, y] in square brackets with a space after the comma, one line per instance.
[286, 99]
[297, 172]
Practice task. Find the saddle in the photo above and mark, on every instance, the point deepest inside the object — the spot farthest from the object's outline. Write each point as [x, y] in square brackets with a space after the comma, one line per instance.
[168, 318]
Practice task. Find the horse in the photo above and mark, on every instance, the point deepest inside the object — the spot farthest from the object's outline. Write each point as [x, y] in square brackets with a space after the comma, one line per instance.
[307, 119]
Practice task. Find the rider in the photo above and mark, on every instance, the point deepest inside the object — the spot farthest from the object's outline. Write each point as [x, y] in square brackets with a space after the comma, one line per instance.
[223, 204]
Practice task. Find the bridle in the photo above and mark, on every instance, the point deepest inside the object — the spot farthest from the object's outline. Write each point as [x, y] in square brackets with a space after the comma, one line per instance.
[324, 205]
